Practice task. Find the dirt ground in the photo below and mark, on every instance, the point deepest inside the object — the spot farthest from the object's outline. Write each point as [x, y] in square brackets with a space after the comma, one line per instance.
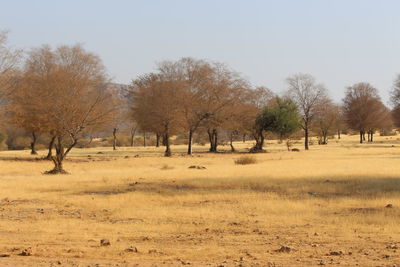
[335, 205]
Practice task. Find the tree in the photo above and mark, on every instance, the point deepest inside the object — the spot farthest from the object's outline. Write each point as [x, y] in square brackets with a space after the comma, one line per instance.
[224, 93]
[326, 120]
[195, 76]
[395, 99]
[280, 117]
[307, 94]
[66, 86]
[156, 104]
[9, 63]
[363, 110]
[260, 97]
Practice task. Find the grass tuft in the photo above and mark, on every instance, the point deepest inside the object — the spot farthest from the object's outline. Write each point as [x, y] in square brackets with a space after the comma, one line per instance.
[245, 160]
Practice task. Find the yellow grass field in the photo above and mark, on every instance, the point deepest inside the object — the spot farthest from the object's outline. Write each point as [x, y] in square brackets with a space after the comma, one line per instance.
[326, 206]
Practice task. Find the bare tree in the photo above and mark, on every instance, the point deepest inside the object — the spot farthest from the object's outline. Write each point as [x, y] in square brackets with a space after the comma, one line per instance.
[307, 94]
[395, 99]
[363, 109]
[197, 75]
[326, 119]
[156, 104]
[225, 90]
[67, 92]
[9, 60]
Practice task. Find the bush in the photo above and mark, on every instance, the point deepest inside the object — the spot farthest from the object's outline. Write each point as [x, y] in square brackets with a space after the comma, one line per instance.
[244, 160]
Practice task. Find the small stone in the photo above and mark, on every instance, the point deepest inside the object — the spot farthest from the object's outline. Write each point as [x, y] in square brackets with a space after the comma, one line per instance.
[389, 206]
[26, 252]
[184, 262]
[284, 249]
[131, 249]
[197, 167]
[4, 255]
[105, 242]
[336, 253]
[321, 262]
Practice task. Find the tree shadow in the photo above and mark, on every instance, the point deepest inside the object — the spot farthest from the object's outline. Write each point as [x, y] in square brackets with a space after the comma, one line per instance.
[333, 187]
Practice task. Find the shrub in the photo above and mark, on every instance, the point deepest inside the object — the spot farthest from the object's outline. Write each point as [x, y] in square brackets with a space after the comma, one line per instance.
[244, 160]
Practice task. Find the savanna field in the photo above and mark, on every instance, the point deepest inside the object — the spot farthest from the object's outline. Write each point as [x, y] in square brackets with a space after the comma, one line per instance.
[335, 205]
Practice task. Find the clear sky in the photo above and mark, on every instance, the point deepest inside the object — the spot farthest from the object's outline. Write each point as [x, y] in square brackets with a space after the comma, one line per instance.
[340, 42]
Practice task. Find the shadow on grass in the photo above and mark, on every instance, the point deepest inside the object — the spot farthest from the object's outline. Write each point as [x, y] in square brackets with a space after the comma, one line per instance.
[323, 188]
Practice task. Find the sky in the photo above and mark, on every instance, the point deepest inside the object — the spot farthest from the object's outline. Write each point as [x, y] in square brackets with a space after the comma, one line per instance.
[339, 42]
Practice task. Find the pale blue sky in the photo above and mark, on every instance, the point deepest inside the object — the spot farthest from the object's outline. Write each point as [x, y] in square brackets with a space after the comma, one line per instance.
[340, 42]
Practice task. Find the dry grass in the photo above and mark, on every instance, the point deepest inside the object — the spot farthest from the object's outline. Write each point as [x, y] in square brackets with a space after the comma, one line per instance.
[329, 199]
[245, 160]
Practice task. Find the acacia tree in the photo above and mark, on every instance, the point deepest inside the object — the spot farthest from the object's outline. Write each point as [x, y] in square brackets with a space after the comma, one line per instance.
[67, 92]
[395, 99]
[260, 97]
[225, 89]
[280, 117]
[326, 120]
[363, 109]
[197, 75]
[9, 60]
[380, 119]
[156, 103]
[241, 116]
[307, 94]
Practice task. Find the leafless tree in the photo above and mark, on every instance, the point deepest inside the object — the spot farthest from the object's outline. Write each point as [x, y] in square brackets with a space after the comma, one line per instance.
[326, 119]
[307, 94]
[156, 104]
[66, 86]
[9, 60]
[363, 109]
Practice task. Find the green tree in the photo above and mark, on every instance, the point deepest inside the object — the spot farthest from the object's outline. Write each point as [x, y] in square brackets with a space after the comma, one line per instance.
[281, 118]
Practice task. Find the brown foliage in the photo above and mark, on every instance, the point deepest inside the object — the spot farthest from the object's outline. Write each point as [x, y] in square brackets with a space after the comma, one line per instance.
[364, 110]
[61, 91]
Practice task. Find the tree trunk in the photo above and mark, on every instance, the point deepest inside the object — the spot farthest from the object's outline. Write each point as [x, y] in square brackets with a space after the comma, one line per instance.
[60, 155]
[372, 136]
[361, 137]
[164, 143]
[306, 137]
[157, 140]
[58, 158]
[190, 141]
[133, 133]
[324, 138]
[213, 137]
[244, 138]
[259, 137]
[231, 143]
[132, 140]
[167, 146]
[33, 144]
[115, 139]
[338, 134]
[51, 144]
[144, 139]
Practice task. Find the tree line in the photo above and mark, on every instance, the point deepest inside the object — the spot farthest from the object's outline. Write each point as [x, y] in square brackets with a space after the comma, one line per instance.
[63, 93]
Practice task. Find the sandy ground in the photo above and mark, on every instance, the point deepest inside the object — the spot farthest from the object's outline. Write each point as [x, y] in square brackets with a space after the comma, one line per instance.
[327, 206]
